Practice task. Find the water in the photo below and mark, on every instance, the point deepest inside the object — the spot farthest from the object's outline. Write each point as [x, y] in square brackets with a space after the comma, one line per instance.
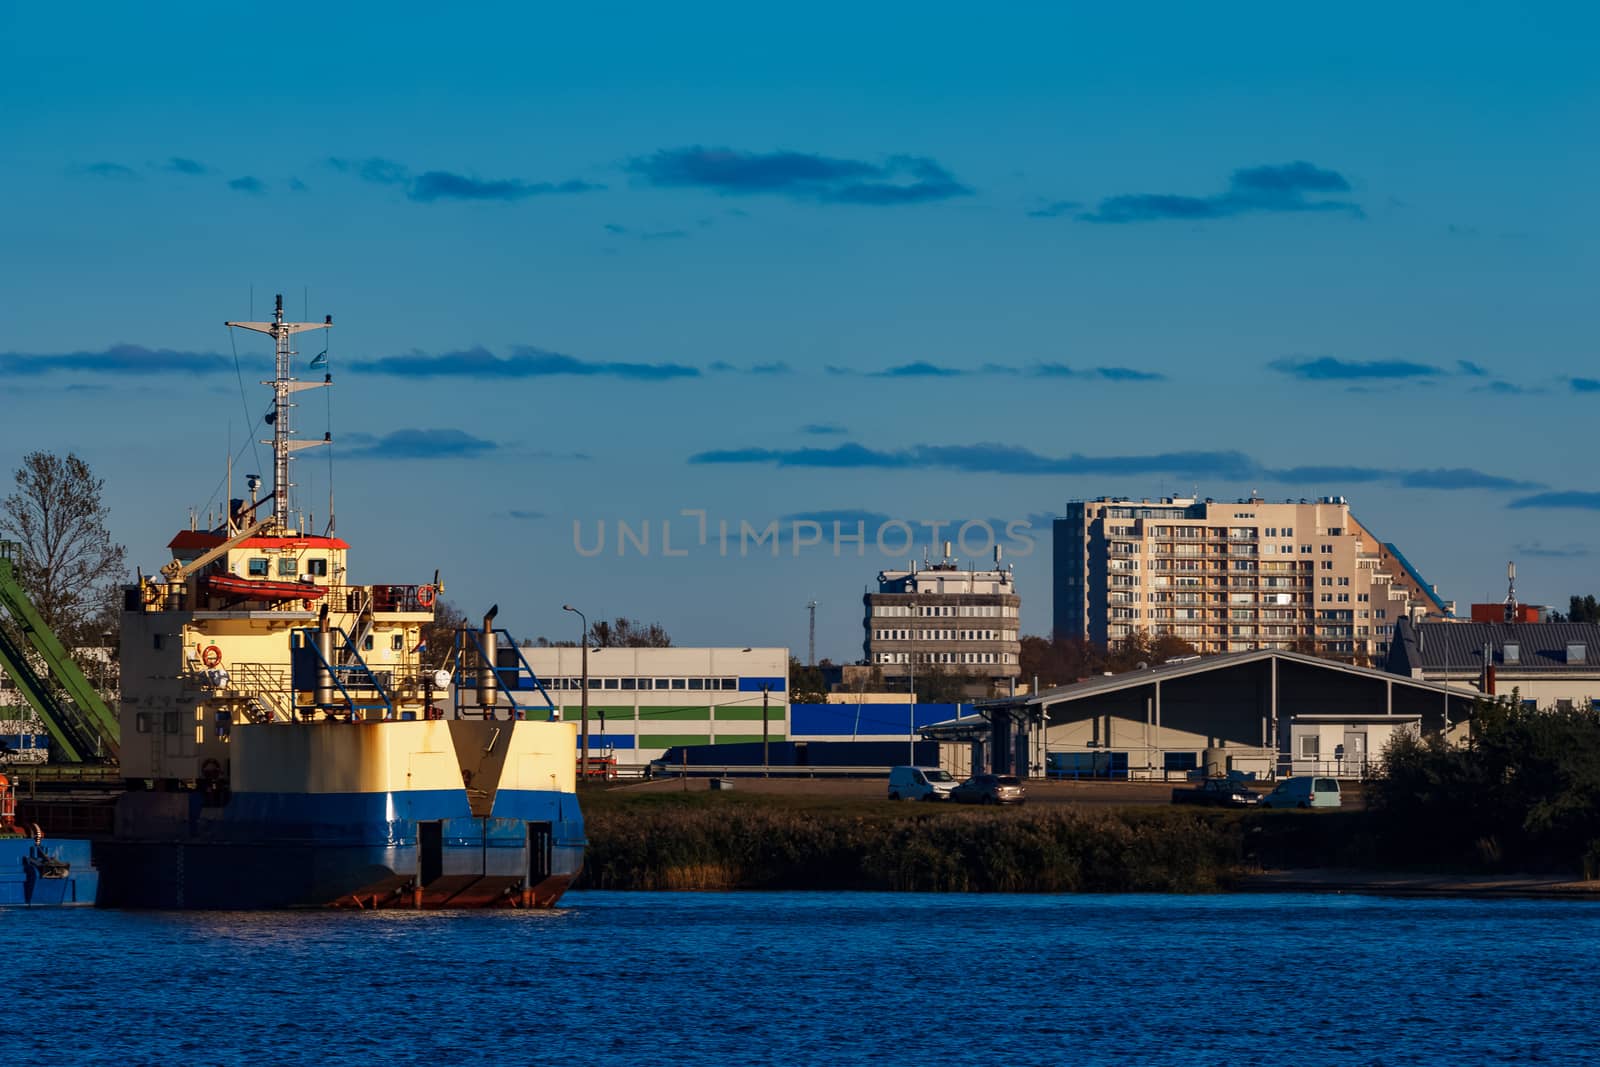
[790, 978]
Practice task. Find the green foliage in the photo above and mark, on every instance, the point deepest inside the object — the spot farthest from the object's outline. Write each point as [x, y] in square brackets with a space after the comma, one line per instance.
[1583, 609]
[1524, 793]
[805, 684]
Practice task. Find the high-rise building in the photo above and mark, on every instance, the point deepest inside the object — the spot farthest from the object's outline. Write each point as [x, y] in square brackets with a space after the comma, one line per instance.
[1229, 577]
[939, 615]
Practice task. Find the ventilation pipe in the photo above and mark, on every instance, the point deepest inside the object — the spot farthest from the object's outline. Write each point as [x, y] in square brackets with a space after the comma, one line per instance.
[488, 681]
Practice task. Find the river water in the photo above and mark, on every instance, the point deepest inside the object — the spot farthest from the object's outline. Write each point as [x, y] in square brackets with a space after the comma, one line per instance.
[801, 978]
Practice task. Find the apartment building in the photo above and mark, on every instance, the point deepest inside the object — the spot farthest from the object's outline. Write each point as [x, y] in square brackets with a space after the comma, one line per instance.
[1230, 577]
[939, 615]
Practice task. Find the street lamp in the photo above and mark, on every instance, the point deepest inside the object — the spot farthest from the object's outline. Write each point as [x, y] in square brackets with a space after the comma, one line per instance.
[583, 643]
[911, 710]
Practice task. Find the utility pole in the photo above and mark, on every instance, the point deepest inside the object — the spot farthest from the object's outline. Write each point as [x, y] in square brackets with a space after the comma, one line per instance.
[583, 643]
[811, 659]
[911, 707]
[766, 761]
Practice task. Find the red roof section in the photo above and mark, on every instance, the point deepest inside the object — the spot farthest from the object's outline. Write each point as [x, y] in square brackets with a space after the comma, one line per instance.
[203, 539]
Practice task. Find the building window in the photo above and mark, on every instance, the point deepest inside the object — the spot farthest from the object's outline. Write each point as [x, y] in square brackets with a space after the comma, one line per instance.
[1513, 654]
[1577, 653]
[1310, 746]
[398, 642]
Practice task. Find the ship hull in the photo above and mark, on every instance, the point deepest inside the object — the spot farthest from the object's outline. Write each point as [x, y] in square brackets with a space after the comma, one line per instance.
[334, 815]
[23, 883]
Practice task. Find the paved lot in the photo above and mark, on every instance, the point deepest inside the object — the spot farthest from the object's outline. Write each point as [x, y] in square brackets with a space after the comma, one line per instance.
[1039, 792]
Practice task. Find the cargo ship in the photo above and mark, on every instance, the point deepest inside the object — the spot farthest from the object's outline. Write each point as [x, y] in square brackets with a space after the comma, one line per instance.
[289, 740]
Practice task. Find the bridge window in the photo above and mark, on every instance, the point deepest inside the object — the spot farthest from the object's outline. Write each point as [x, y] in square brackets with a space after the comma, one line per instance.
[317, 568]
[288, 567]
[259, 567]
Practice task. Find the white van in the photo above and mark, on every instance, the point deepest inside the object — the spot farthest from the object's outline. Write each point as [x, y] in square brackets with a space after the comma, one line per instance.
[1304, 793]
[920, 783]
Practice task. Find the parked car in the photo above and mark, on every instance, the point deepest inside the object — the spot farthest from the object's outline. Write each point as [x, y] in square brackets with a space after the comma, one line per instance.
[1220, 792]
[920, 783]
[990, 789]
[1304, 793]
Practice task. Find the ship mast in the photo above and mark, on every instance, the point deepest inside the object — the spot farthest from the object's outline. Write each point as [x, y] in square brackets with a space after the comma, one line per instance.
[283, 385]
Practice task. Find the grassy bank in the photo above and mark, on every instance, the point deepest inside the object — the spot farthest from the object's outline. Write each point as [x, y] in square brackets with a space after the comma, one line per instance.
[734, 841]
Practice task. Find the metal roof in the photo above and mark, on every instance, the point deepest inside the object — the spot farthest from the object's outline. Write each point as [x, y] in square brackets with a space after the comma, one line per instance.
[1459, 645]
[1206, 664]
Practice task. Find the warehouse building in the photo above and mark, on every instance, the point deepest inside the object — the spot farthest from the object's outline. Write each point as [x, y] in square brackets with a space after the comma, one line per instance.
[1266, 712]
[643, 701]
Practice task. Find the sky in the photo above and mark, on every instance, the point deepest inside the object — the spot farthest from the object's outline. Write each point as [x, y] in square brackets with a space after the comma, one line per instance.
[709, 267]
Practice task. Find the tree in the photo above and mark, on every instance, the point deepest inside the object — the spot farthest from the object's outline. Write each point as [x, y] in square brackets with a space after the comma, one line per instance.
[805, 684]
[627, 633]
[67, 561]
[1583, 609]
[439, 635]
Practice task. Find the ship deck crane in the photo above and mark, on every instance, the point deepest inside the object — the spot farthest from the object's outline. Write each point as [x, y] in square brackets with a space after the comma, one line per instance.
[73, 713]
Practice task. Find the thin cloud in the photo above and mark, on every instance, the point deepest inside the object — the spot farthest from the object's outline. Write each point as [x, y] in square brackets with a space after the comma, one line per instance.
[248, 184]
[1328, 369]
[525, 362]
[647, 235]
[117, 359]
[525, 516]
[1584, 385]
[822, 429]
[1471, 369]
[297, 186]
[443, 185]
[1568, 499]
[180, 165]
[1055, 210]
[799, 176]
[416, 444]
[1504, 388]
[436, 185]
[924, 369]
[113, 171]
[1538, 551]
[1272, 188]
[992, 458]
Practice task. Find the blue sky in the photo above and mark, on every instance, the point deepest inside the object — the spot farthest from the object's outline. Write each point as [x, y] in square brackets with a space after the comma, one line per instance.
[918, 262]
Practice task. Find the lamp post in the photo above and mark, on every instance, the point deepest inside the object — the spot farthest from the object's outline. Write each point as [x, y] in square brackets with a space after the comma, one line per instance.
[583, 644]
[911, 706]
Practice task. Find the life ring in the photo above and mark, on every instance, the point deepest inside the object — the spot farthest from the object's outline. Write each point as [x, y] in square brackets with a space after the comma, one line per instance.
[211, 770]
[211, 656]
[425, 596]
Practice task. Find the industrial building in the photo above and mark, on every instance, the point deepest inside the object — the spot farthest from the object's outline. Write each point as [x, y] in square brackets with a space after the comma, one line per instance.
[941, 616]
[1230, 577]
[1267, 712]
[643, 701]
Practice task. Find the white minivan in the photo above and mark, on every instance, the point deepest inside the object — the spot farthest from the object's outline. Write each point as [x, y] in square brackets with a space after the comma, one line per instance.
[1304, 793]
[920, 783]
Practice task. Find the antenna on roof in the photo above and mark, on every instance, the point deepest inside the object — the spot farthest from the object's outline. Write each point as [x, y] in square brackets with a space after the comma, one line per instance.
[1511, 592]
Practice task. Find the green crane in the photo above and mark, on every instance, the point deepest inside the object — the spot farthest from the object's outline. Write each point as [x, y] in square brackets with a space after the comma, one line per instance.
[78, 720]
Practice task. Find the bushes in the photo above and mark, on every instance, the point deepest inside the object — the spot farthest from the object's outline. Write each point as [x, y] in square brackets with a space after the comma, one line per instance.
[733, 845]
[1524, 793]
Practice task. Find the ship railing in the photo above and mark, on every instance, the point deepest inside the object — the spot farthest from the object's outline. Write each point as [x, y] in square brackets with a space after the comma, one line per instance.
[362, 599]
[262, 689]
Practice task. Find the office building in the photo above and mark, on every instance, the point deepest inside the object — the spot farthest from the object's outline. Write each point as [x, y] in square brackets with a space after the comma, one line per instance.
[941, 616]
